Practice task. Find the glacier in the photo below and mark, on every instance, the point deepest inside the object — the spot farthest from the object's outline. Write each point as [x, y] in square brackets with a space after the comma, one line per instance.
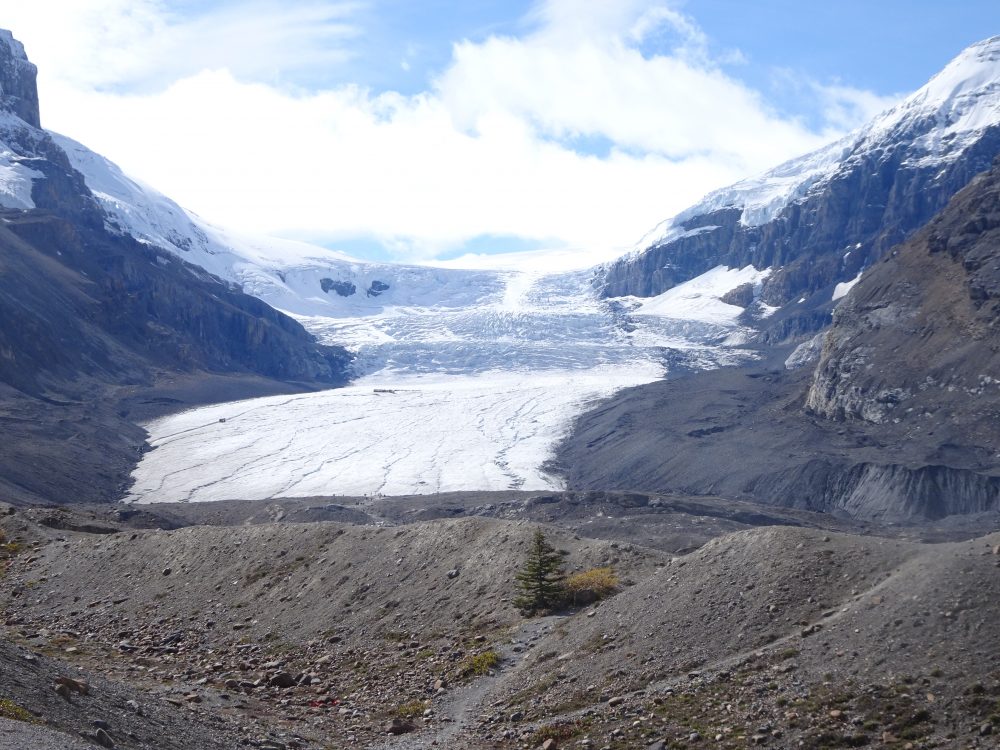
[396, 435]
[446, 399]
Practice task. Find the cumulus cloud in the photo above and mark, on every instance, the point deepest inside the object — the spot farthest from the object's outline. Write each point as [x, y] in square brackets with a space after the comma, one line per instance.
[573, 134]
[585, 86]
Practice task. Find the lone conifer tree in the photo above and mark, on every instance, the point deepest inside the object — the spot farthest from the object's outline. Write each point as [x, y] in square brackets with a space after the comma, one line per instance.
[539, 581]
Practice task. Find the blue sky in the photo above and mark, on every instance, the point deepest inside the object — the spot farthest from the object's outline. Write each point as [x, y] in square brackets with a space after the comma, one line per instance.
[414, 130]
[886, 47]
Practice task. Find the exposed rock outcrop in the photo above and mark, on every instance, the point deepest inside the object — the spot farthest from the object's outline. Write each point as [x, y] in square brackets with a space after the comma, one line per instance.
[376, 288]
[342, 288]
[18, 92]
[917, 341]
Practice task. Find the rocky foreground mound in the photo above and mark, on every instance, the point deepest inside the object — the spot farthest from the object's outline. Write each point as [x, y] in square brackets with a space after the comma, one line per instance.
[315, 635]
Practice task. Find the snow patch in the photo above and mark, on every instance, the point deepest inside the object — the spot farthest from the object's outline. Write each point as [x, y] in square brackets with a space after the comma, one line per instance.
[699, 298]
[806, 353]
[844, 287]
[15, 181]
[766, 311]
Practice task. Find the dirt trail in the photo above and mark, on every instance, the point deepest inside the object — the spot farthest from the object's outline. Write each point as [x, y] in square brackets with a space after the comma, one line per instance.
[461, 708]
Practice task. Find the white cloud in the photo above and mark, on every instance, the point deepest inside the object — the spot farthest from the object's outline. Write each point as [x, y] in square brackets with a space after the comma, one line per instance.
[488, 149]
[602, 87]
[144, 44]
[844, 107]
[839, 107]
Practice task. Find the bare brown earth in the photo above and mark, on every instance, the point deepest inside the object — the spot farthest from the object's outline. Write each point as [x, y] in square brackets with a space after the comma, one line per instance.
[273, 628]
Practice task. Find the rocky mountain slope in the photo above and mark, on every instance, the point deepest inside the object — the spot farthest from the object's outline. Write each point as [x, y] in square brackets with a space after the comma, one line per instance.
[89, 312]
[822, 219]
[917, 341]
[19, 94]
[897, 422]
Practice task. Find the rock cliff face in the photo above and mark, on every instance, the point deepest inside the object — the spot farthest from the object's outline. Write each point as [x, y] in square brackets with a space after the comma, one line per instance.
[84, 303]
[77, 287]
[18, 93]
[851, 202]
[917, 341]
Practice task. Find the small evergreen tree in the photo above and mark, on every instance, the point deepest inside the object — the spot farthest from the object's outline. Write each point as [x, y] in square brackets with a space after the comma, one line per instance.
[539, 582]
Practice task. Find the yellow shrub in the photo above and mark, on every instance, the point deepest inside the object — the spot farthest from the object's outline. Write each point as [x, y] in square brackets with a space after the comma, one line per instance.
[10, 710]
[591, 585]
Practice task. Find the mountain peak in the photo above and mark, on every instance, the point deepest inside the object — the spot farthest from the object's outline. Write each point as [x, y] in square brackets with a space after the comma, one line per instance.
[963, 98]
[18, 92]
[974, 73]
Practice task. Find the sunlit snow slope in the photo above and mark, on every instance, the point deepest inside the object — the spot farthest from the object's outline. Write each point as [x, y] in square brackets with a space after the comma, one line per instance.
[466, 377]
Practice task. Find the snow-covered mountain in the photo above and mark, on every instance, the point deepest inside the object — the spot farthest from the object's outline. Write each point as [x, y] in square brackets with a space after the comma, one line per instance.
[296, 277]
[819, 220]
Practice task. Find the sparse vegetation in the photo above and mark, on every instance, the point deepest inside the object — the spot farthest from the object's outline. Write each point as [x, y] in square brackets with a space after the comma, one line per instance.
[542, 585]
[479, 664]
[8, 549]
[10, 710]
[533, 690]
[257, 574]
[560, 732]
[410, 709]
